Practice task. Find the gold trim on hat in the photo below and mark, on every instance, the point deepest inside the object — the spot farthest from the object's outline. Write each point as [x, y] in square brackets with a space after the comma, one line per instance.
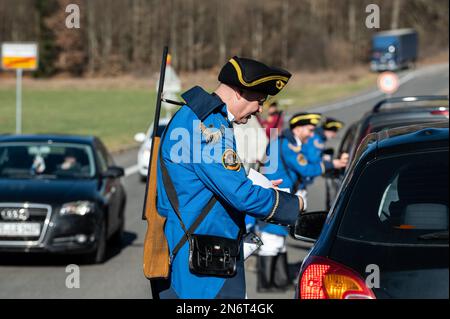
[306, 117]
[333, 124]
[262, 80]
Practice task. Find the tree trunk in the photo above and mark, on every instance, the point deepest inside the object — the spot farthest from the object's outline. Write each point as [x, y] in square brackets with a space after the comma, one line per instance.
[396, 14]
[285, 33]
[221, 33]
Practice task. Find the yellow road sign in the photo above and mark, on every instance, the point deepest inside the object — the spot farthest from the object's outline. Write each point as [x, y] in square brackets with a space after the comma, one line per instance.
[19, 56]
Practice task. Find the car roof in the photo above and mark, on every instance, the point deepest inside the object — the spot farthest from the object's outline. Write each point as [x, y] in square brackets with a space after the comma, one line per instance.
[407, 110]
[414, 138]
[59, 138]
[411, 103]
[402, 118]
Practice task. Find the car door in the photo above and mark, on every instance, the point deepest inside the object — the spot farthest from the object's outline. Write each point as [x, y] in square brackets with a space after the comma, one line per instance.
[333, 182]
[111, 188]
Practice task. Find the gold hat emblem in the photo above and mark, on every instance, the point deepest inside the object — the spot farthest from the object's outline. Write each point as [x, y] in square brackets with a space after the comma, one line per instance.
[280, 84]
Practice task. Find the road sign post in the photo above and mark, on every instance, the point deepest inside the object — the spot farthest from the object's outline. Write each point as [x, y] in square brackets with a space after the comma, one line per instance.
[19, 73]
[19, 57]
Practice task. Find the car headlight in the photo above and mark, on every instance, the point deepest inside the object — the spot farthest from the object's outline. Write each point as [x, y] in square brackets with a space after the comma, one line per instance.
[80, 208]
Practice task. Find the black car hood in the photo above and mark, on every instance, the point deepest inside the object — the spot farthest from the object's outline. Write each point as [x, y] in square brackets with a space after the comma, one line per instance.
[47, 191]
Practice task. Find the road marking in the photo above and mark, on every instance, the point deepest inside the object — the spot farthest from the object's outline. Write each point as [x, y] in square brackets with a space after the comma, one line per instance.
[374, 94]
[131, 170]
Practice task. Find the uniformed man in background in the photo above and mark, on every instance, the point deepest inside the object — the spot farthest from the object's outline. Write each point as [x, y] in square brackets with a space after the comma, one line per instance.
[314, 150]
[205, 194]
[315, 146]
[292, 167]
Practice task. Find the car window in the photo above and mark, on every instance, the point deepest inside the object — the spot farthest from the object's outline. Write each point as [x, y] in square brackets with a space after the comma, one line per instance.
[102, 162]
[105, 156]
[348, 140]
[401, 200]
[44, 160]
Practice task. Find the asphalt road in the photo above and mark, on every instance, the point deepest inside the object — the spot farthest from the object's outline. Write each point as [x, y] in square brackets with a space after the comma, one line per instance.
[121, 275]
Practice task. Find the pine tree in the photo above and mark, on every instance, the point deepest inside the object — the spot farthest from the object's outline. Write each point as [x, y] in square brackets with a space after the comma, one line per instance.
[48, 51]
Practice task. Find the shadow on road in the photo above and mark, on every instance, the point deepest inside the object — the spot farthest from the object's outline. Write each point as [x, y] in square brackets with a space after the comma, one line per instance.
[46, 259]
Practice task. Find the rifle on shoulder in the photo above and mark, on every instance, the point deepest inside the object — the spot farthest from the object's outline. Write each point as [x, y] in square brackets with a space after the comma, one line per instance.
[156, 249]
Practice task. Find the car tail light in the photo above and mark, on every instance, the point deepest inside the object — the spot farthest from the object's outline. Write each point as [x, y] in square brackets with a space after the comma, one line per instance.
[327, 279]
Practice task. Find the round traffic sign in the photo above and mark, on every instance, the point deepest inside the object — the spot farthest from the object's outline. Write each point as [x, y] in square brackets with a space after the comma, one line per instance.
[388, 82]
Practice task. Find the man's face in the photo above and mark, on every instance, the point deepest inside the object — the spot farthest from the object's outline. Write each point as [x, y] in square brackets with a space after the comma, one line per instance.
[247, 104]
[304, 132]
[330, 134]
[273, 110]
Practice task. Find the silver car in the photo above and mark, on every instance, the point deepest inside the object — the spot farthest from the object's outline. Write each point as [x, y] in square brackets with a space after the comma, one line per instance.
[143, 157]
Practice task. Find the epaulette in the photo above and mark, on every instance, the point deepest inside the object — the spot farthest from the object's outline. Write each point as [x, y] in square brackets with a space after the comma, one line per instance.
[201, 102]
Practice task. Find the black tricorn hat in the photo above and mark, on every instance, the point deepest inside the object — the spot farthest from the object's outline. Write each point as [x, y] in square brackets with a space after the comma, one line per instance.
[332, 124]
[301, 119]
[251, 75]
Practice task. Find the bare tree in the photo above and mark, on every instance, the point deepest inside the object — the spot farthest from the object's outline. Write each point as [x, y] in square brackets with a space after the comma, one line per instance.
[396, 7]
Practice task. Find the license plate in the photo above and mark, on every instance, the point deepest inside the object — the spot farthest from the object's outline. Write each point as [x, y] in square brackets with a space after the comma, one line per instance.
[20, 229]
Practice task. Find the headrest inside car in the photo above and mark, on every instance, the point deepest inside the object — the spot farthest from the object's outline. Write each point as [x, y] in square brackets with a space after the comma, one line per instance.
[427, 216]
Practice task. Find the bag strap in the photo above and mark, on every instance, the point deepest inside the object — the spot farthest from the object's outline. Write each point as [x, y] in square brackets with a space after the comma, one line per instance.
[173, 199]
[299, 177]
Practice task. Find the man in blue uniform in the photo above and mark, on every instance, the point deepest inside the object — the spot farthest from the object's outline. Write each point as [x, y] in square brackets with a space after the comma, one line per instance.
[314, 149]
[203, 188]
[315, 146]
[292, 167]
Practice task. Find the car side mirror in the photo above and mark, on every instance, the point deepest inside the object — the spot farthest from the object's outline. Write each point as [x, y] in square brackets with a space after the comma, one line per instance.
[140, 137]
[309, 226]
[114, 172]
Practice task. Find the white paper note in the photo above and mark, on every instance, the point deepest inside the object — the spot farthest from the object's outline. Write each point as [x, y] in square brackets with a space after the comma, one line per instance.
[259, 179]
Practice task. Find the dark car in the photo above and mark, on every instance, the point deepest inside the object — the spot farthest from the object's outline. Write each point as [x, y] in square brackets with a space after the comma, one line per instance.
[59, 194]
[387, 234]
[387, 114]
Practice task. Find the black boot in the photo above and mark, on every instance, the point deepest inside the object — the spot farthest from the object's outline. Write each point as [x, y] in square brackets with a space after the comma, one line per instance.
[265, 268]
[282, 279]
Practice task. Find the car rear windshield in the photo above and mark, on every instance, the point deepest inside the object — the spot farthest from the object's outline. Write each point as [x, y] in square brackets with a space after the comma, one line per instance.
[44, 160]
[400, 200]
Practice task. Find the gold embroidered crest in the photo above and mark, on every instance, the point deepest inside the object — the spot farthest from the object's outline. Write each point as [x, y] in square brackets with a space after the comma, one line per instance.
[302, 160]
[296, 149]
[231, 161]
[212, 136]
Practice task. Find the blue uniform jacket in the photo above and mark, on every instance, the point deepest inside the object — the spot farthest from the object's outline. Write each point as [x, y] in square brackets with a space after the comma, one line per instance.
[296, 165]
[313, 150]
[200, 168]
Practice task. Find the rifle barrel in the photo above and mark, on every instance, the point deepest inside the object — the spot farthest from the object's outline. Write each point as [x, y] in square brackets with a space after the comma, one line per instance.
[162, 76]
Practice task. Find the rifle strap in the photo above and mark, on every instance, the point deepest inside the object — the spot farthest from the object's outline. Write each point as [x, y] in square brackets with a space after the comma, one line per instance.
[173, 199]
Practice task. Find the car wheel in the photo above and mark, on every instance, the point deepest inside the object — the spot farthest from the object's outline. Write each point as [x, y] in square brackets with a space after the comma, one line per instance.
[99, 255]
[117, 237]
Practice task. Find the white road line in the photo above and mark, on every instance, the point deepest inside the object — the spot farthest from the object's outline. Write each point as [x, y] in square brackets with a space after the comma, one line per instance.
[131, 170]
[371, 95]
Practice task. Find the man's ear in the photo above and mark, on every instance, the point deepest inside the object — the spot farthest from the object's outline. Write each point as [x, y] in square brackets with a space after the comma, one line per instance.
[239, 94]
